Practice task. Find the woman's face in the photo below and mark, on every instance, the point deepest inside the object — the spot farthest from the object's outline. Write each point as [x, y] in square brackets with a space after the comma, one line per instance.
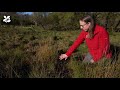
[84, 26]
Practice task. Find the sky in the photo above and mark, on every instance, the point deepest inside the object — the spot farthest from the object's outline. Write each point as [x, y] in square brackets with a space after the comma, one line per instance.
[32, 12]
[28, 13]
[25, 13]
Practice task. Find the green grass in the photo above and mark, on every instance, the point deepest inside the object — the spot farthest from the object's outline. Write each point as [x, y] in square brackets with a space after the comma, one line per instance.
[30, 52]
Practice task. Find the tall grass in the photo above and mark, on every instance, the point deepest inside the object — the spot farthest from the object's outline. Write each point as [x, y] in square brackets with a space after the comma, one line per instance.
[30, 52]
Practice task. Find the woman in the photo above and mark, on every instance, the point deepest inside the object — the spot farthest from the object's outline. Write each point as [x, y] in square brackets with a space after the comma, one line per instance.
[96, 38]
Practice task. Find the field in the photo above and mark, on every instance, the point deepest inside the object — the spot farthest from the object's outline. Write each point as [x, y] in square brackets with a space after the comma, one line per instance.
[30, 52]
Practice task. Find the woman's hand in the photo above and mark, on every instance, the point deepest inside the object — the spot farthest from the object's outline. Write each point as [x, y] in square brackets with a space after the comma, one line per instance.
[63, 56]
[92, 61]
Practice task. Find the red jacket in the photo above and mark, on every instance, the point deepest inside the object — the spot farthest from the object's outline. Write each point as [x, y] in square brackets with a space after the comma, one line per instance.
[98, 46]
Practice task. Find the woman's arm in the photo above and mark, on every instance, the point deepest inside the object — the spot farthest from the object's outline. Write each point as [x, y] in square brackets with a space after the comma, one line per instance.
[76, 43]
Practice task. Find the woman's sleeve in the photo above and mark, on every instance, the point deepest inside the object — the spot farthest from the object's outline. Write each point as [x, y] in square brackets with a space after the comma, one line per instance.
[76, 43]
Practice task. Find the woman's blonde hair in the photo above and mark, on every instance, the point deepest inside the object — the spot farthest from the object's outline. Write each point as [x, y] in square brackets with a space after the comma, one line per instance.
[89, 19]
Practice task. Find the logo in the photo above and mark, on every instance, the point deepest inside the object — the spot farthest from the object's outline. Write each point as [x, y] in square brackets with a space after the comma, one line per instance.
[6, 19]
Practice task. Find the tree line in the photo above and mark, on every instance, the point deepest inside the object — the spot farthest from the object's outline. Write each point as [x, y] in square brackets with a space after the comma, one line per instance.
[61, 20]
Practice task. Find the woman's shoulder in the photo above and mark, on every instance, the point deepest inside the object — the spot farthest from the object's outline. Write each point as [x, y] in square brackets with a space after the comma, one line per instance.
[100, 28]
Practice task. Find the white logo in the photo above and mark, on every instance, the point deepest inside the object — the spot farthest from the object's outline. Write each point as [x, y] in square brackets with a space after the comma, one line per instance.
[6, 19]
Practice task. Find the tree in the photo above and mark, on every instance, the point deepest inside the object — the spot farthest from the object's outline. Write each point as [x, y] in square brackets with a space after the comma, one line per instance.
[37, 18]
